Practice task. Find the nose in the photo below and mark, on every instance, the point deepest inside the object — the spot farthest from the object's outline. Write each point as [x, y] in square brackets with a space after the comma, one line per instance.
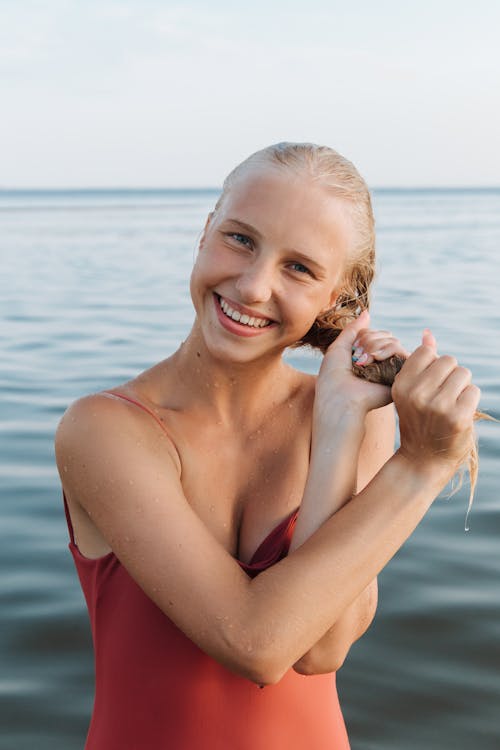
[256, 282]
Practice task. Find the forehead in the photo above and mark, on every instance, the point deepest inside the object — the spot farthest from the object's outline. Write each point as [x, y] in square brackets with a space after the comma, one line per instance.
[291, 208]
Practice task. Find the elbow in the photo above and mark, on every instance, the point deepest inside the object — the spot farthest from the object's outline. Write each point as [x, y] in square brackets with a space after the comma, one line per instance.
[262, 666]
[310, 664]
[262, 671]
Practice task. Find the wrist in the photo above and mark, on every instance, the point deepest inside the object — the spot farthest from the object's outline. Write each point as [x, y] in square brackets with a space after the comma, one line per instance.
[425, 470]
[339, 411]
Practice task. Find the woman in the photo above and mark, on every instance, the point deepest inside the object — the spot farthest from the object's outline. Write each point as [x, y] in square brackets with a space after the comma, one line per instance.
[183, 486]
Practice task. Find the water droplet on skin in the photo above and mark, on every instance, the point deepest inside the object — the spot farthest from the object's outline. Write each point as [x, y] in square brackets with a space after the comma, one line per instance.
[65, 468]
[212, 508]
[130, 481]
[126, 539]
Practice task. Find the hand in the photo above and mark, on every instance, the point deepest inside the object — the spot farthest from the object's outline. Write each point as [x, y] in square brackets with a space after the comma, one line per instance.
[336, 380]
[436, 401]
[375, 346]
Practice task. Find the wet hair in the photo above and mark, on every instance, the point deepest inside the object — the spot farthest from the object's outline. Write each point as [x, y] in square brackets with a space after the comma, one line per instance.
[341, 178]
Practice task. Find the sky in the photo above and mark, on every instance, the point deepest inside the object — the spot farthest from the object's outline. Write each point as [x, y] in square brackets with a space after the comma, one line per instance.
[152, 93]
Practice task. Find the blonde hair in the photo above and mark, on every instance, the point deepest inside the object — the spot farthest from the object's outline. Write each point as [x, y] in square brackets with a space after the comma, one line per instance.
[338, 175]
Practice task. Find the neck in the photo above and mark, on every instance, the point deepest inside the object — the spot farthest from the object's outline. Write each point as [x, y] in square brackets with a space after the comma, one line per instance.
[231, 393]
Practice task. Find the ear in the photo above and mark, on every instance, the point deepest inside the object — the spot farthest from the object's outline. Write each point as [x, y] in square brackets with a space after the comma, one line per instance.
[205, 228]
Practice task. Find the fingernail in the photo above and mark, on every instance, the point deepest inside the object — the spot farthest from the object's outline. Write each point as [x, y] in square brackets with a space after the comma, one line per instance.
[361, 360]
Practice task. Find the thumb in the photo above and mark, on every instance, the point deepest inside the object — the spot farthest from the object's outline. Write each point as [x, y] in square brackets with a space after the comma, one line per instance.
[346, 339]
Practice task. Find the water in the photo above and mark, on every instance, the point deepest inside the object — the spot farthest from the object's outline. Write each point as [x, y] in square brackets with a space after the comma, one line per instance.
[95, 289]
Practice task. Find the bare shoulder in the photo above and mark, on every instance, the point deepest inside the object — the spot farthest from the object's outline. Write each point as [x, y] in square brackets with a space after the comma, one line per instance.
[101, 421]
[98, 440]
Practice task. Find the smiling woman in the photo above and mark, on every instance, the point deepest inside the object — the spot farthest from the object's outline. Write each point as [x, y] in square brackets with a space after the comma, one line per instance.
[229, 514]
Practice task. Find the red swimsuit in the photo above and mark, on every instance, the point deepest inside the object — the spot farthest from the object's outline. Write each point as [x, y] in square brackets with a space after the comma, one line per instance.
[156, 690]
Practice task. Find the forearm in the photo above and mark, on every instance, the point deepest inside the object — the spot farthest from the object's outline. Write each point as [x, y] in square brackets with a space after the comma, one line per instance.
[296, 601]
[335, 460]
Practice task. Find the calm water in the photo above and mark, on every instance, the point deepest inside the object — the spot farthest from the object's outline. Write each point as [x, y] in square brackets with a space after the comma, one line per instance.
[94, 288]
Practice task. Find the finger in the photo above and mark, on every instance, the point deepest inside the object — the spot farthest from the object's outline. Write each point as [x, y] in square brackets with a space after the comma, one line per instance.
[468, 400]
[389, 350]
[376, 348]
[346, 339]
[457, 381]
[437, 373]
[448, 391]
[370, 341]
[417, 363]
[428, 339]
[367, 335]
[381, 348]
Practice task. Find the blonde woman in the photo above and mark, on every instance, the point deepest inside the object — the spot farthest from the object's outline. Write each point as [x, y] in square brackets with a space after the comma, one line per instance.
[229, 514]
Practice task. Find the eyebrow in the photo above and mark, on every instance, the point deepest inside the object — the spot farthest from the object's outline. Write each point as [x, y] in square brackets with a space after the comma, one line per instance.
[302, 256]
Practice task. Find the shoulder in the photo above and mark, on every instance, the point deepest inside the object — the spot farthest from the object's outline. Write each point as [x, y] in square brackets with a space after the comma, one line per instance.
[102, 423]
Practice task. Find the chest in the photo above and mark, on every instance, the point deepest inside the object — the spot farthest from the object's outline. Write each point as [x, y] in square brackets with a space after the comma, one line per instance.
[243, 487]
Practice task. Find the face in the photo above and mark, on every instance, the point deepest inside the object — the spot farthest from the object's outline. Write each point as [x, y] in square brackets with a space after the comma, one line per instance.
[271, 259]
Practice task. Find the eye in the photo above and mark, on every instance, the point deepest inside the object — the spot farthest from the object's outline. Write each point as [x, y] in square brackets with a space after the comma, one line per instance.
[300, 268]
[241, 239]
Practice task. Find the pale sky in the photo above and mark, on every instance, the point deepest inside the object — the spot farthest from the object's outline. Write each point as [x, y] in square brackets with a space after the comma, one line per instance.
[126, 93]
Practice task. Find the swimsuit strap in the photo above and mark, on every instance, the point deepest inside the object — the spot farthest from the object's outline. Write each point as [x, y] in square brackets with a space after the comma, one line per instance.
[143, 407]
[68, 520]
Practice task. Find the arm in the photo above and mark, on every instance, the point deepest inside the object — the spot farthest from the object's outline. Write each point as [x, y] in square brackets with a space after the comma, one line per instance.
[377, 447]
[258, 627]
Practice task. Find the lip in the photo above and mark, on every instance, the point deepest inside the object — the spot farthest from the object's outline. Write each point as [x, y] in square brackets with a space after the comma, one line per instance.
[237, 328]
[242, 309]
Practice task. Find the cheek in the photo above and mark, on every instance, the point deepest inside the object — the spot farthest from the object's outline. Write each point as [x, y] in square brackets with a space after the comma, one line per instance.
[209, 270]
[303, 311]
[197, 281]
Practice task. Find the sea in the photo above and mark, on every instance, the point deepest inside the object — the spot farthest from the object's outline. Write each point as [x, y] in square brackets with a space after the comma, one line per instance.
[94, 289]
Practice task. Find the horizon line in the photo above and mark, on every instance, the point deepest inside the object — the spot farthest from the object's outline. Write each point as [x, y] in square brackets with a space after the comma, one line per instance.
[211, 188]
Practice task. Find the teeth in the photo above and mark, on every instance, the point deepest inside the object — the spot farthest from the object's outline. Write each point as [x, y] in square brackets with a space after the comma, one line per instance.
[242, 318]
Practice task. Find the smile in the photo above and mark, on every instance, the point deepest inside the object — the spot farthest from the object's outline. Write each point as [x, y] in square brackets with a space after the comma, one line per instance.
[242, 318]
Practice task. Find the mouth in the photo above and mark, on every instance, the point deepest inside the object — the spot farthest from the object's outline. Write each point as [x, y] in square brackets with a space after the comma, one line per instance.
[246, 319]
[240, 322]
